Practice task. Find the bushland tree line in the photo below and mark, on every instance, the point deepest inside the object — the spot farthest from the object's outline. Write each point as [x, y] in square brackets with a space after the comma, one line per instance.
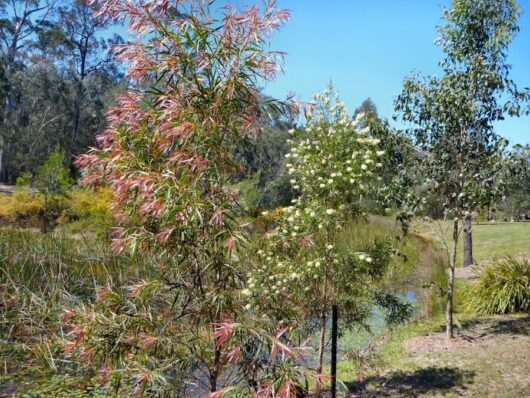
[57, 80]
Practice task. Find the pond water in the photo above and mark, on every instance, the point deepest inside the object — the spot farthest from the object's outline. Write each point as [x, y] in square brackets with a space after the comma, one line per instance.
[358, 338]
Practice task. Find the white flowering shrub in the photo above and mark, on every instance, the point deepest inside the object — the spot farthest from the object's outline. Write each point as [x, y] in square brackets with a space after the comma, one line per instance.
[332, 162]
[299, 271]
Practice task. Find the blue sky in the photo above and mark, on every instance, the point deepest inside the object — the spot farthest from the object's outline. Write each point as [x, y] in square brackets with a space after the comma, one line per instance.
[367, 47]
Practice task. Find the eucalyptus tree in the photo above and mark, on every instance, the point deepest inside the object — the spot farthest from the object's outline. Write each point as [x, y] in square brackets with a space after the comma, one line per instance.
[451, 117]
[57, 81]
[41, 119]
[20, 21]
[79, 42]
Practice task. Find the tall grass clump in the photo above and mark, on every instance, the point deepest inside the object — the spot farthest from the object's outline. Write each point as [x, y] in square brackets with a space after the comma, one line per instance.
[360, 234]
[418, 266]
[502, 287]
[40, 276]
[429, 277]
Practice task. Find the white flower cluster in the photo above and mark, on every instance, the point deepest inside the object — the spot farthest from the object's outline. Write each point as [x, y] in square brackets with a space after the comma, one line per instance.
[332, 156]
[278, 274]
[364, 257]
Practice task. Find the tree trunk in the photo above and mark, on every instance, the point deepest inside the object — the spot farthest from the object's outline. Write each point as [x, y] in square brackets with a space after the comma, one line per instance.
[214, 373]
[321, 347]
[334, 335]
[468, 241]
[451, 283]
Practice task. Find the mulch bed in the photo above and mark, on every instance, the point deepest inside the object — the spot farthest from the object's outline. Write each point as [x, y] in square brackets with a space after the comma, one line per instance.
[439, 342]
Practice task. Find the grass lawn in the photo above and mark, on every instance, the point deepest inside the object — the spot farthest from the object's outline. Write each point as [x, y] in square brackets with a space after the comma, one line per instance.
[491, 358]
[490, 240]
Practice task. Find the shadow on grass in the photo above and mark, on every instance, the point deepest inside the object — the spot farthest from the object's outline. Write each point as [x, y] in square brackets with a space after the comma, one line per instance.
[519, 326]
[430, 380]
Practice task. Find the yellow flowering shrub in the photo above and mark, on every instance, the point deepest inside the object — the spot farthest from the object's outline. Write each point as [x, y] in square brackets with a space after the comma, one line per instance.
[85, 203]
[22, 204]
[78, 209]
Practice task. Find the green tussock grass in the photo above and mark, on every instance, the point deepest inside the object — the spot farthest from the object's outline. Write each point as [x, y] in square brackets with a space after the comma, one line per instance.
[502, 287]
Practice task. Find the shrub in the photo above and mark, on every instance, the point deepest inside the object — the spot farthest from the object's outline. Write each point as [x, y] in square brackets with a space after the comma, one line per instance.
[78, 210]
[47, 201]
[502, 287]
[22, 206]
[86, 203]
[88, 211]
[52, 181]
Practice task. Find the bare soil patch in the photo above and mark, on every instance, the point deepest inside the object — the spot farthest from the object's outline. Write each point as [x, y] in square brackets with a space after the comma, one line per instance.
[439, 342]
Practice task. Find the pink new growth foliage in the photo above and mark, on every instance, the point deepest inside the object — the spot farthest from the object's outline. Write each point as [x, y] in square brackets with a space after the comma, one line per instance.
[167, 154]
[192, 98]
